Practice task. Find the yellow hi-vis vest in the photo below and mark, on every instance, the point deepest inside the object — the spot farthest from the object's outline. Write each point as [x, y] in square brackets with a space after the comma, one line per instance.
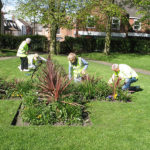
[23, 48]
[77, 68]
[31, 60]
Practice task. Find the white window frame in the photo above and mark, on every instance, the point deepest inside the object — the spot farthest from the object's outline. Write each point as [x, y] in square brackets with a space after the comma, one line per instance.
[136, 25]
[117, 24]
[88, 20]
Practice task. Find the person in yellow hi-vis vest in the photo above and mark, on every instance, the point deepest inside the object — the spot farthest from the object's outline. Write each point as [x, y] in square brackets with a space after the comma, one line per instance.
[125, 73]
[34, 60]
[77, 67]
[22, 53]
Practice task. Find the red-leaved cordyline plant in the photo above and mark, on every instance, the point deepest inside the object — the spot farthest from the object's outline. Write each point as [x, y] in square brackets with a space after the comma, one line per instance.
[52, 83]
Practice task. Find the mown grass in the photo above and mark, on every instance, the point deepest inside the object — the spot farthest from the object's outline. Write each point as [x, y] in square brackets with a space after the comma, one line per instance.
[7, 111]
[9, 69]
[134, 60]
[115, 125]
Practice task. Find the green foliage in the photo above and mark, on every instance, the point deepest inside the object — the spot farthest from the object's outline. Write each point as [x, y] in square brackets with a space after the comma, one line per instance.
[143, 8]
[15, 88]
[38, 42]
[3, 88]
[123, 95]
[90, 44]
[77, 45]
[89, 89]
[51, 13]
[38, 112]
[20, 88]
[93, 89]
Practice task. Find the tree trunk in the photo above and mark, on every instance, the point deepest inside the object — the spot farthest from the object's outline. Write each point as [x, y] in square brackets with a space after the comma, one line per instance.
[53, 31]
[34, 26]
[108, 36]
[0, 19]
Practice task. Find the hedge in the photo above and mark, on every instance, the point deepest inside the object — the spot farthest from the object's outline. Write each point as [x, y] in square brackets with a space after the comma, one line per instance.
[91, 44]
[38, 43]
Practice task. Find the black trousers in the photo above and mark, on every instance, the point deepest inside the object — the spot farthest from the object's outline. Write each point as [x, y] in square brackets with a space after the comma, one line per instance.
[24, 63]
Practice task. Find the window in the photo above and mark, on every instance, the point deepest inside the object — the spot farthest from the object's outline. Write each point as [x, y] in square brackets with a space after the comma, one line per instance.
[137, 25]
[91, 22]
[115, 23]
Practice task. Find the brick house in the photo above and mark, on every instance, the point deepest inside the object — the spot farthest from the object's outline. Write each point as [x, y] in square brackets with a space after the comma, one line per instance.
[119, 29]
[10, 27]
[25, 28]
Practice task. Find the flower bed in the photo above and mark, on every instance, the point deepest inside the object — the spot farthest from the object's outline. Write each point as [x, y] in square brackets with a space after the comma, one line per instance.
[51, 98]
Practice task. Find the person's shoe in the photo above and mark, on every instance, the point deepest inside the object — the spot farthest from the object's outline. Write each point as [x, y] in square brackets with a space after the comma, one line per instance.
[25, 69]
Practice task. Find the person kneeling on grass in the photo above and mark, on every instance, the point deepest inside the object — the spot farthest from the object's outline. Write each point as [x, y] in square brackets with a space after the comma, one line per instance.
[125, 73]
[77, 67]
[34, 60]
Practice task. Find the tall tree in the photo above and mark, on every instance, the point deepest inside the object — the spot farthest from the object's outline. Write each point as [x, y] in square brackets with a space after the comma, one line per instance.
[52, 13]
[143, 7]
[103, 11]
[0, 16]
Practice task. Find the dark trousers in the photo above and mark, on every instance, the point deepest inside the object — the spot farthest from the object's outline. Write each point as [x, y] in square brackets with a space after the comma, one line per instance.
[24, 63]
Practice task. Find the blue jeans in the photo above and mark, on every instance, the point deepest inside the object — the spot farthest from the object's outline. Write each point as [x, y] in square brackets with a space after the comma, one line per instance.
[128, 82]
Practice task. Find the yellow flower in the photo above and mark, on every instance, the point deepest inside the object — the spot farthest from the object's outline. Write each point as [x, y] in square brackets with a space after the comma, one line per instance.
[115, 95]
[39, 116]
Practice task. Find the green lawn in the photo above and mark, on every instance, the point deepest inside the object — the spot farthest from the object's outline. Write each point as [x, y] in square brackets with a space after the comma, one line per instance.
[134, 60]
[7, 111]
[115, 125]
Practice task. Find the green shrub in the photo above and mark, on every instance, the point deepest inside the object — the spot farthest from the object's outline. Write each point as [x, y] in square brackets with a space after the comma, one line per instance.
[77, 45]
[39, 112]
[20, 88]
[15, 88]
[12, 42]
[90, 44]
